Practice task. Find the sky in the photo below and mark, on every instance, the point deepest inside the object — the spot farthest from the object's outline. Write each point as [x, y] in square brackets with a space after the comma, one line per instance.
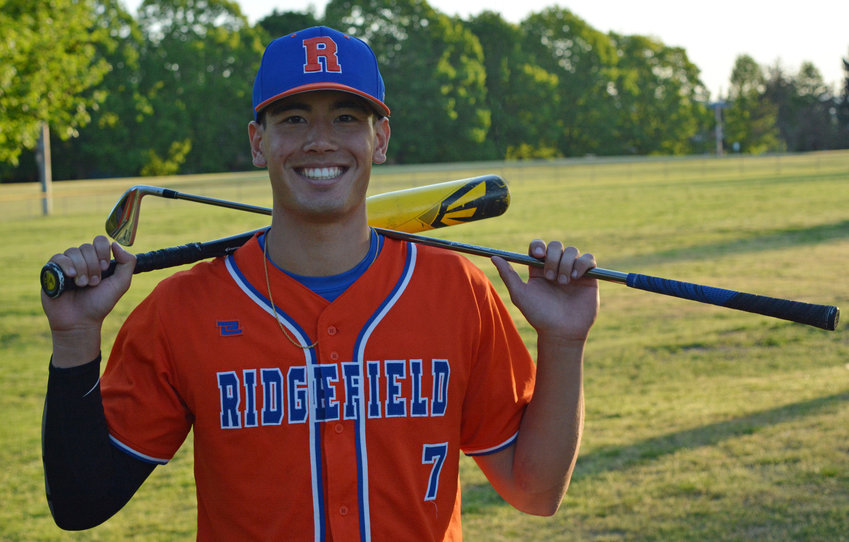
[712, 33]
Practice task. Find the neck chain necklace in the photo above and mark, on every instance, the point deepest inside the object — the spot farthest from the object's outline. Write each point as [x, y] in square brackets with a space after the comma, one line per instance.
[271, 299]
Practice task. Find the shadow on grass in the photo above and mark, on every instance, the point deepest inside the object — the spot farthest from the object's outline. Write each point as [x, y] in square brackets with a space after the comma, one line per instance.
[610, 458]
[786, 238]
[478, 497]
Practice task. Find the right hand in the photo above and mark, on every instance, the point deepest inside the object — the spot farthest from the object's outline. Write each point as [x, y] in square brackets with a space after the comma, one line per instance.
[76, 316]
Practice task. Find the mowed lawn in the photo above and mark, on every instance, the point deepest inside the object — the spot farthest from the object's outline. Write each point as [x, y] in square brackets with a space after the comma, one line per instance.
[703, 423]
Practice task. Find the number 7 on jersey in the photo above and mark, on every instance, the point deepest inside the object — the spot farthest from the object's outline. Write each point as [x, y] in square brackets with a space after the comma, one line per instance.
[435, 454]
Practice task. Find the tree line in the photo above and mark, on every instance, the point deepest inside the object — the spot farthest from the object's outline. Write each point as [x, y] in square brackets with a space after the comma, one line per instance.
[168, 90]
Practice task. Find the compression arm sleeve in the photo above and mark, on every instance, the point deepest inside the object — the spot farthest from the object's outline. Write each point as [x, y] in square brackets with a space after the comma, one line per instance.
[87, 478]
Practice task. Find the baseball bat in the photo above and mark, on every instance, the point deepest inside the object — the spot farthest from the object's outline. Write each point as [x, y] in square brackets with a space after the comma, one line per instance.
[414, 209]
[821, 316]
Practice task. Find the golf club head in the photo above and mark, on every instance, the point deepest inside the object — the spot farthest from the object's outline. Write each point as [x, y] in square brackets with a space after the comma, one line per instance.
[122, 222]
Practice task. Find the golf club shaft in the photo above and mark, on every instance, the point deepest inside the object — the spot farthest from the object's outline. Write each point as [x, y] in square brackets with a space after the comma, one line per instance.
[173, 194]
[822, 316]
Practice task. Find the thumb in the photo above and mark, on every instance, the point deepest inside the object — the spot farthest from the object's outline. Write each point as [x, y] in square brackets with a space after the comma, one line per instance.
[126, 261]
[508, 275]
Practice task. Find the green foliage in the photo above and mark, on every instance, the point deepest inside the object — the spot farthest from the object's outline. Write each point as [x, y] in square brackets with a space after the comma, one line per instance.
[281, 23]
[582, 59]
[751, 121]
[169, 165]
[842, 109]
[523, 98]
[197, 67]
[525, 151]
[805, 118]
[48, 72]
[116, 124]
[660, 99]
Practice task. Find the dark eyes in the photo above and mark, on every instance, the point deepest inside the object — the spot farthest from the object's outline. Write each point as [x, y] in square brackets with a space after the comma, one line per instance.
[341, 118]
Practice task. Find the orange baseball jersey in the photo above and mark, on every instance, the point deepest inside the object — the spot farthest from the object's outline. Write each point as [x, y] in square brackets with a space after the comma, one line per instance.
[357, 437]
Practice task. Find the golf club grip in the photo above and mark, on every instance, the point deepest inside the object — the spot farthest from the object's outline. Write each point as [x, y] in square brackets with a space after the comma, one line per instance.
[55, 283]
[821, 316]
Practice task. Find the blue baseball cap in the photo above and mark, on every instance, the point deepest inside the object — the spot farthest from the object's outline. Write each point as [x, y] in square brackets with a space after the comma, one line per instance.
[318, 58]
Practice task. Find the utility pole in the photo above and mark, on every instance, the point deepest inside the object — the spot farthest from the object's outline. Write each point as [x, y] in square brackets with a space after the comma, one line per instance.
[45, 170]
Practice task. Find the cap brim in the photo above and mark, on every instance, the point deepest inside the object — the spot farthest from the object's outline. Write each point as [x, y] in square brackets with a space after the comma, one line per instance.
[380, 107]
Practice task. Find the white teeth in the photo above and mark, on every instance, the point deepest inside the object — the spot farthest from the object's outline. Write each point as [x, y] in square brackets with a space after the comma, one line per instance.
[321, 174]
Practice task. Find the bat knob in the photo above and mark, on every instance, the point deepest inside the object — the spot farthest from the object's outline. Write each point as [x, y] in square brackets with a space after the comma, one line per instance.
[834, 318]
[52, 280]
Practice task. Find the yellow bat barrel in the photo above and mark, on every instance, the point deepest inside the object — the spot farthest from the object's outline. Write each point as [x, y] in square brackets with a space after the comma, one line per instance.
[439, 205]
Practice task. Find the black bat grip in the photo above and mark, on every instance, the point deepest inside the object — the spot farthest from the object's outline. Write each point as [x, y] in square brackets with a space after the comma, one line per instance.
[168, 257]
[54, 282]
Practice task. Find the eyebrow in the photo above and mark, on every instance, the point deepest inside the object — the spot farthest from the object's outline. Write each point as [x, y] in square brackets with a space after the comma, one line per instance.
[339, 104]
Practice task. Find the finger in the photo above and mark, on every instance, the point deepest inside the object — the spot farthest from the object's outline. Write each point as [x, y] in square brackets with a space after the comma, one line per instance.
[553, 255]
[566, 265]
[102, 252]
[79, 263]
[508, 275]
[582, 265]
[126, 261]
[65, 263]
[92, 263]
[536, 249]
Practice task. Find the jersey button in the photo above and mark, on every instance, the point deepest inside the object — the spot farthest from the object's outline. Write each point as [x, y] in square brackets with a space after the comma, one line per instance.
[343, 510]
[334, 356]
[332, 330]
[338, 428]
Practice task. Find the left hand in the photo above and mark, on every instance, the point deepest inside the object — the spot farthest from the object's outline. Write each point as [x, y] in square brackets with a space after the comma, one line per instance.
[557, 300]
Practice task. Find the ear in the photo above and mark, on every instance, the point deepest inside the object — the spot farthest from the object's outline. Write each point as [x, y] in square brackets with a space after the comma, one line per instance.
[381, 134]
[255, 133]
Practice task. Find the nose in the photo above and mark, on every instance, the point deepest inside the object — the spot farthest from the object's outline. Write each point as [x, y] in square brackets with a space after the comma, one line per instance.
[320, 137]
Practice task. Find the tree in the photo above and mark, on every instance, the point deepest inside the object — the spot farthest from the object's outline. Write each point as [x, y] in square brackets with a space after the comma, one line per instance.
[280, 23]
[583, 61]
[804, 104]
[432, 66]
[751, 120]
[842, 110]
[109, 145]
[522, 97]
[48, 70]
[661, 102]
[197, 69]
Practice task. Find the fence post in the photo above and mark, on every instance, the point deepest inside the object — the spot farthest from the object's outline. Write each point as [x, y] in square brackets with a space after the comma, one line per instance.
[45, 170]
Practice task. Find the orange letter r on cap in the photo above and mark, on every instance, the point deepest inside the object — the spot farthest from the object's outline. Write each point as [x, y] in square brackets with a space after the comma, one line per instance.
[321, 47]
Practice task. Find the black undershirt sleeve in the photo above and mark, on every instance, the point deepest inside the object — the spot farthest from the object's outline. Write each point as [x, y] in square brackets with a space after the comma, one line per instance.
[87, 478]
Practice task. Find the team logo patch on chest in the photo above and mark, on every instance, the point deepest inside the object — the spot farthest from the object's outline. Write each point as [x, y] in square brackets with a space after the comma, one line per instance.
[229, 328]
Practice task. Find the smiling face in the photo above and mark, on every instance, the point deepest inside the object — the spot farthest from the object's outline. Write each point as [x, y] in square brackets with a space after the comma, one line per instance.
[319, 148]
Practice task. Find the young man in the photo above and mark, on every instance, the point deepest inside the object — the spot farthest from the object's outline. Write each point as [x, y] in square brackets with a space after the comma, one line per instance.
[331, 376]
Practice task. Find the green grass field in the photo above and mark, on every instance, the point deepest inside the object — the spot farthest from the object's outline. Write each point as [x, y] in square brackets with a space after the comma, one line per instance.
[703, 423]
